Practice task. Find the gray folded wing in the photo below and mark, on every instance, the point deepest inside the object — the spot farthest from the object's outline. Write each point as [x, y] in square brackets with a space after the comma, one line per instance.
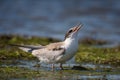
[50, 53]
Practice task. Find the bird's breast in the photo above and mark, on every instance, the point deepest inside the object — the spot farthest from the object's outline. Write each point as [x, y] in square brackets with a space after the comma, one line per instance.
[70, 51]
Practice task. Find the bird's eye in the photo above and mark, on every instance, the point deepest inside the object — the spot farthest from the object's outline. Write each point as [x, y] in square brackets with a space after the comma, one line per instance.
[70, 31]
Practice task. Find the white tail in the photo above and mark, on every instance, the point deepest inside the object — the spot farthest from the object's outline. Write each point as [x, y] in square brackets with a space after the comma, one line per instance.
[27, 48]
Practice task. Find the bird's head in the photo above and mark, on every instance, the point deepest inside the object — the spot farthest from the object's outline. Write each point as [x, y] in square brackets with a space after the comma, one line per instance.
[73, 32]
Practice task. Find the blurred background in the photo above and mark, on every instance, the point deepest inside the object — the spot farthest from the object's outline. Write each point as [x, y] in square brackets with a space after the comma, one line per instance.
[52, 18]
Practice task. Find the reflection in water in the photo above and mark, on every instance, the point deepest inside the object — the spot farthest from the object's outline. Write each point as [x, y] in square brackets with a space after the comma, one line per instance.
[53, 18]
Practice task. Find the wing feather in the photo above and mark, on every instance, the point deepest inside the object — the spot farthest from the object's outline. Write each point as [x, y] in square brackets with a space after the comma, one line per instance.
[50, 53]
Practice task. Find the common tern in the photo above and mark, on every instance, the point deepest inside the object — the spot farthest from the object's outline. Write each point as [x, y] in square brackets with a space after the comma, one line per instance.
[58, 52]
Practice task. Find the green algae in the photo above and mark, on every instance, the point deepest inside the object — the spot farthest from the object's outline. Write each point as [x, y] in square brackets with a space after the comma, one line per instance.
[21, 73]
[98, 55]
[16, 72]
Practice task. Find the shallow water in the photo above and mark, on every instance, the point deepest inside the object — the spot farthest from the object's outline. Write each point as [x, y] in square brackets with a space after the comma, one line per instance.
[93, 73]
[53, 18]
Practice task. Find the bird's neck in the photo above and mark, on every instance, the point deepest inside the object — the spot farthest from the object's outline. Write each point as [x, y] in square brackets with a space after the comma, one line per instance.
[71, 41]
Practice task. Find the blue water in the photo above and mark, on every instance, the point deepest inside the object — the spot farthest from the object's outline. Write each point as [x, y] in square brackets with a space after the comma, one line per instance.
[52, 18]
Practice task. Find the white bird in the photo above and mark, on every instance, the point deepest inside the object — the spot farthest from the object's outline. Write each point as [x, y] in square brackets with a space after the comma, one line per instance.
[58, 52]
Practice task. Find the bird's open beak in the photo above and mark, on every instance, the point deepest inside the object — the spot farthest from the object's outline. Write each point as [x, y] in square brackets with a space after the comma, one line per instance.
[77, 28]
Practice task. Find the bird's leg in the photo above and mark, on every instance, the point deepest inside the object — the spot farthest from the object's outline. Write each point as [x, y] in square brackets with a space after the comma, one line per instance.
[52, 67]
[61, 66]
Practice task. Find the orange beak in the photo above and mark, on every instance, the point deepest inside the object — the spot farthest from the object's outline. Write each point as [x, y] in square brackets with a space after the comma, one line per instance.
[77, 28]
